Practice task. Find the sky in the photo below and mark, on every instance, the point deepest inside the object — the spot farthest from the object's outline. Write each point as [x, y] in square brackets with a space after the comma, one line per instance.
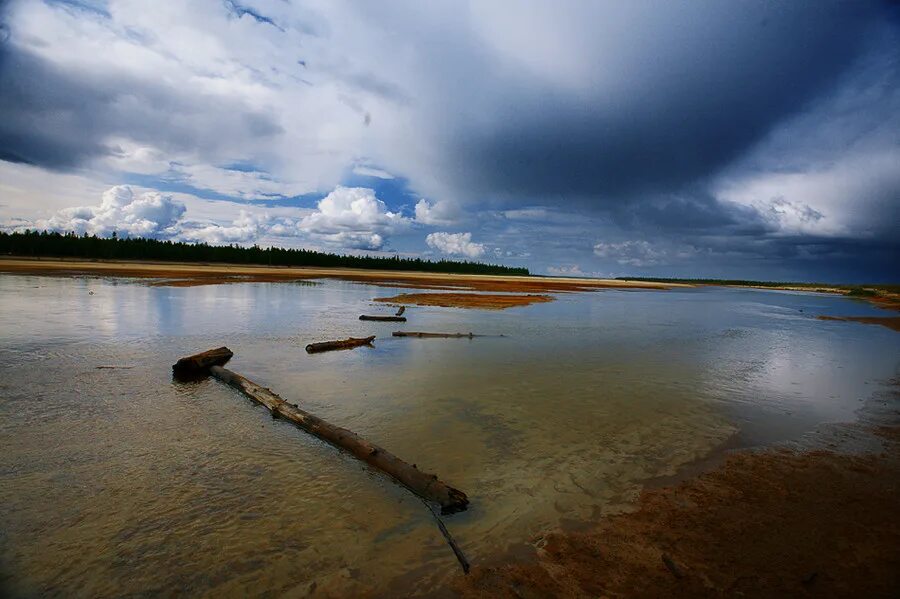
[754, 139]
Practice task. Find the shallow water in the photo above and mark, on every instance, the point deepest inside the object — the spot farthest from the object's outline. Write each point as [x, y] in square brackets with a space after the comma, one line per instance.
[123, 482]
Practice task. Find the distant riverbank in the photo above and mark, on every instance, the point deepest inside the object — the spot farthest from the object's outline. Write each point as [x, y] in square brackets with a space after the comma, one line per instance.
[194, 273]
[882, 295]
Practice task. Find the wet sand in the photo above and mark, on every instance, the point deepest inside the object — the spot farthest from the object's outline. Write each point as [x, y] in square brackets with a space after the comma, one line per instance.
[482, 301]
[891, 322]
[778, 523]
[190, 274]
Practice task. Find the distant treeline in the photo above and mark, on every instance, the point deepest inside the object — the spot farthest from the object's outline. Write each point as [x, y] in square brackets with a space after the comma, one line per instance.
[71, 245]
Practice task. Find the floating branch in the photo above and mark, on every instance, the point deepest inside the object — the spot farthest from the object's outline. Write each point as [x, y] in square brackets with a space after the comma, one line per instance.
[457, 550]
[401, 310]
[348, 343]
[384, 318]
[427, 486]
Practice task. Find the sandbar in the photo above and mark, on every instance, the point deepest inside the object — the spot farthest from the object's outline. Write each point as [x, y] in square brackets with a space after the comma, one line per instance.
[484, 301]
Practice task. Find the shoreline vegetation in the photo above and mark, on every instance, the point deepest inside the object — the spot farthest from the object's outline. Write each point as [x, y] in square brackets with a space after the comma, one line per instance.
[70, 245]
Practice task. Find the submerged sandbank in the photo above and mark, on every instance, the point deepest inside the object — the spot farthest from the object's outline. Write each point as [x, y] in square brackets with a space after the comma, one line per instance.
[774, 523]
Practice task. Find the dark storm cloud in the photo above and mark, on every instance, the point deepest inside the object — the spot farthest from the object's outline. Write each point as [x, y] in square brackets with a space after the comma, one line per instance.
[680, 109]
[691, 212]
[640, 114]
[49, 119]
[61, 119]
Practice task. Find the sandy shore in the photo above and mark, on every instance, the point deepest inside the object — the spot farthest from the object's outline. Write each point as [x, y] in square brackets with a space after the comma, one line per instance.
[184, 274]
[772, 524]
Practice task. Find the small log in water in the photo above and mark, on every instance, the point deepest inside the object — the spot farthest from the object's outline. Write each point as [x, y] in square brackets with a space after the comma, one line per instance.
[422, 335]
[384, 318]
[427, 486]
[401, 311]
[348, 343]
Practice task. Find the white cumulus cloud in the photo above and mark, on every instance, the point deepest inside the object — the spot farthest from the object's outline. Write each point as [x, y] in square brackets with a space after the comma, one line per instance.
[459, 244]
[348, 218]
[352, 217]
[246, 228]
[121, 210]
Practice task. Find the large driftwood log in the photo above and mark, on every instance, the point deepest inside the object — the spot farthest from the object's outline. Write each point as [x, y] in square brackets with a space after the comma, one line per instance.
[422, 484]
[427, 486]
[384, 318]
[348, 343]
[422, 335]
[199, 363]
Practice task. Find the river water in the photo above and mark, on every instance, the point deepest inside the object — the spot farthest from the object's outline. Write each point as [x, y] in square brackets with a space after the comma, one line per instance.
[122, 482]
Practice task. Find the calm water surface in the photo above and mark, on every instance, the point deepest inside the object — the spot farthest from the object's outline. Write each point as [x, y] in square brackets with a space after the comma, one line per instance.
[123, 482]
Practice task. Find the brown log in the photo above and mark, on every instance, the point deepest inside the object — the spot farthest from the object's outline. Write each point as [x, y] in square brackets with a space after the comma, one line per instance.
[401, 310]
[427, 486]
[384, 318]
[200, 363]
[348, 343]
[424, 335]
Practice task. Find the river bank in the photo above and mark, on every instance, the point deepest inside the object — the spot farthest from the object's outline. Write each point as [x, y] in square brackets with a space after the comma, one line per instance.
[183, 274]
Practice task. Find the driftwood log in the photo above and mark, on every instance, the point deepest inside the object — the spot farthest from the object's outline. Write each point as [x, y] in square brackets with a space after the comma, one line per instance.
[401, 310]
[421, 335]
[200, 363]
[384, 318]
[349, 343]
[427, 486]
